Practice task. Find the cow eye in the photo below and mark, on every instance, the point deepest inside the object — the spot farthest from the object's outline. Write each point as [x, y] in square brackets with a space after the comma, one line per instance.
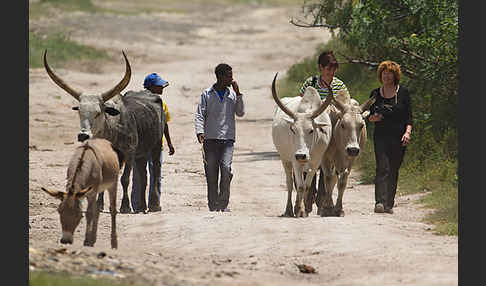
[75, 108]
[312, 130]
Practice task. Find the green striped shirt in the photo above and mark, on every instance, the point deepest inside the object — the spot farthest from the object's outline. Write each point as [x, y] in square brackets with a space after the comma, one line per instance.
[336, 85]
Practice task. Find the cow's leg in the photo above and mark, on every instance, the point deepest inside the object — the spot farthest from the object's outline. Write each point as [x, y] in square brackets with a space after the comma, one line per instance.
[125, 180]
[112, 194]
[309, 192]
[320, 190]
[342, 182]
[100, 202]
[330, 178]
[92, 214]
[289, 212]
[302, 187]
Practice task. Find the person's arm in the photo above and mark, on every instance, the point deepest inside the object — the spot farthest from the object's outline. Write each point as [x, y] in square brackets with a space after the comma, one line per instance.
[408, 130]
[200, 118]
[240, 104]
[167, 137]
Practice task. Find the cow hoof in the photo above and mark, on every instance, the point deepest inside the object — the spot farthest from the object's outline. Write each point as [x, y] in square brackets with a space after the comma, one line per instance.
[339, 213]
[301, 213]
[87, 243]
[124, 210]
[327, 212]
[287, 214]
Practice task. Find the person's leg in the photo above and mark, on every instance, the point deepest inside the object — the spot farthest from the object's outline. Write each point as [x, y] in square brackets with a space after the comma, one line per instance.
[155, 187]
[137, 203]
[396, 159]
[226, 150]
[382, 172]
[211, 169]
[141, 166]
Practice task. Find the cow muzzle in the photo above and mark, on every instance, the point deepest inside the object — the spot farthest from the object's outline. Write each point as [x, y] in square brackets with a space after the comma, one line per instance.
[82, 137]
[67, 238]
[302, 158]
[352, 151]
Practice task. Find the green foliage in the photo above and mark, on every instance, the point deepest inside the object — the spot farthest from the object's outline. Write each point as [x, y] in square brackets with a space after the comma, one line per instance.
[37, 278]
[73, 5]
[60, 49]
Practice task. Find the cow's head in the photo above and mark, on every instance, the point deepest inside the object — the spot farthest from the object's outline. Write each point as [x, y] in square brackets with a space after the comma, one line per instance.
[92, 107]
[69, 211]
[350, 126]
[304, 126]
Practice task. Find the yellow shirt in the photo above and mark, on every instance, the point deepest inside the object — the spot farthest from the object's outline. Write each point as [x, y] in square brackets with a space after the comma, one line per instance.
[167, 119]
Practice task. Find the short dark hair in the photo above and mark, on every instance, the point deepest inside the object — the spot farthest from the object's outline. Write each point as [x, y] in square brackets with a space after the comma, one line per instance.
[221, 69]
[327, 58]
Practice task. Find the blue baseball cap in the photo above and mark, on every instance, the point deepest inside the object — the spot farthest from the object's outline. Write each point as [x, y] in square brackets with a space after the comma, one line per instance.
[154, 79]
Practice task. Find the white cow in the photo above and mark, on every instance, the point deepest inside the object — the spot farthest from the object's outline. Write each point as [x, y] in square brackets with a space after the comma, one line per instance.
[301, 132]
[348, 138]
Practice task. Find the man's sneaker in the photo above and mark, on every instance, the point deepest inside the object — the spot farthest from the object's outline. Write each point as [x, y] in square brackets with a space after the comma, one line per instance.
[379, 208]
[389, 211]
[226, 210]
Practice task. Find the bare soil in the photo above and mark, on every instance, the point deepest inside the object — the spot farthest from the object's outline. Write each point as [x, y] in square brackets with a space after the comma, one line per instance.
[185, 244]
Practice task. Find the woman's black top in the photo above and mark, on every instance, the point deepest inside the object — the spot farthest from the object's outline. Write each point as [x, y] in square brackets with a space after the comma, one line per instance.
[396, 116]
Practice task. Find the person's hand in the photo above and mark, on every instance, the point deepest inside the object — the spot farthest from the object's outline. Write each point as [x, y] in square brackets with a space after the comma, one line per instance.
[375, 117]
[200, 138]
[236, 88]
[171, 150]
[405, 138]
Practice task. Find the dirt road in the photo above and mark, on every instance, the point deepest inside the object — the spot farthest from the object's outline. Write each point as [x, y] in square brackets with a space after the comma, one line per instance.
[185, 244]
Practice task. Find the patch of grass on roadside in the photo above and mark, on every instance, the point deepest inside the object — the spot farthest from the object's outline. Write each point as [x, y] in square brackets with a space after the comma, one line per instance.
[60, 49]
[37, 278]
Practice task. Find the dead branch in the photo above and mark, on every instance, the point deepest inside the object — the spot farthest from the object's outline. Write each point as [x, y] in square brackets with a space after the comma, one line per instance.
[307, 25]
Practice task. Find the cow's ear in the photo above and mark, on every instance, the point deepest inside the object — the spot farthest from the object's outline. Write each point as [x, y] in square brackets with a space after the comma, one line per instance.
[111, 111]
[56, 194]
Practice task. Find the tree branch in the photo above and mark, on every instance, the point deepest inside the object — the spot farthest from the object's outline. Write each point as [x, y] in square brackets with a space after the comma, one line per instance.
[406, 71]
[307, 25]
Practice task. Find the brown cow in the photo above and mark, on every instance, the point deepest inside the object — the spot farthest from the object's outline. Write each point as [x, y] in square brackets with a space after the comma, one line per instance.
[93, 168]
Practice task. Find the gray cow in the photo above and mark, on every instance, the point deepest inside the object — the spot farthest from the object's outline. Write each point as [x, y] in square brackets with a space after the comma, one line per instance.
[133, 123]
[348, 138]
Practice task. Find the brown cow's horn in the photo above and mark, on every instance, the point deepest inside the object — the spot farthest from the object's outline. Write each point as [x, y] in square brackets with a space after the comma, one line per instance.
[122, 84]
[277, 100]
[325, 103]
[366, 105]
[59, 81]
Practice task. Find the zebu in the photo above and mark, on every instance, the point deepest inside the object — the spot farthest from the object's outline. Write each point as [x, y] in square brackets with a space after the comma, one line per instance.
[348, 138]
[133, 123]
[93, 168]
[301, 132]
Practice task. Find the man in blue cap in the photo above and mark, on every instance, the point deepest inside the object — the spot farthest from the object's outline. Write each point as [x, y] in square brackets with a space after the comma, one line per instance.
[155, 84]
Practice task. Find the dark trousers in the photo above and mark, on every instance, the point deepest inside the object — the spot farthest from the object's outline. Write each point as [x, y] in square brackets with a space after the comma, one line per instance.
[389, 154]
[219, 156]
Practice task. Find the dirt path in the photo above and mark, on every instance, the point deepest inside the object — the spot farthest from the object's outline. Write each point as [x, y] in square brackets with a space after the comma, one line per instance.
[185, 244]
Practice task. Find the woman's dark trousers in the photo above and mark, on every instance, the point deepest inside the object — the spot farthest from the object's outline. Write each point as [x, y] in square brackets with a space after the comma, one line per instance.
[389, 154]
[219, 156]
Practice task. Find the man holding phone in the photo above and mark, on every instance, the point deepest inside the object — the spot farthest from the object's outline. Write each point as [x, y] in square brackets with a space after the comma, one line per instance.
[215, 129]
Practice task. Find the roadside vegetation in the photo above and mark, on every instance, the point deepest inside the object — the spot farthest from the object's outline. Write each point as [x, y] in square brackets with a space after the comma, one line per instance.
[422, 37]
[41, 278]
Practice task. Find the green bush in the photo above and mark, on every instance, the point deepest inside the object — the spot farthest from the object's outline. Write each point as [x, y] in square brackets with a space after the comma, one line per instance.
[60, 49]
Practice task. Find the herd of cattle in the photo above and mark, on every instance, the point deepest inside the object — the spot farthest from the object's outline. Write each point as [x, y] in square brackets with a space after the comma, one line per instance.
[121, 129]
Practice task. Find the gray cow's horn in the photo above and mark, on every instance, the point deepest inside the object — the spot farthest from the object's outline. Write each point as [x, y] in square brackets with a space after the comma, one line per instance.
[122, 84]
[58, 80]
[325, 103]
[277, 100]
[366, 105]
